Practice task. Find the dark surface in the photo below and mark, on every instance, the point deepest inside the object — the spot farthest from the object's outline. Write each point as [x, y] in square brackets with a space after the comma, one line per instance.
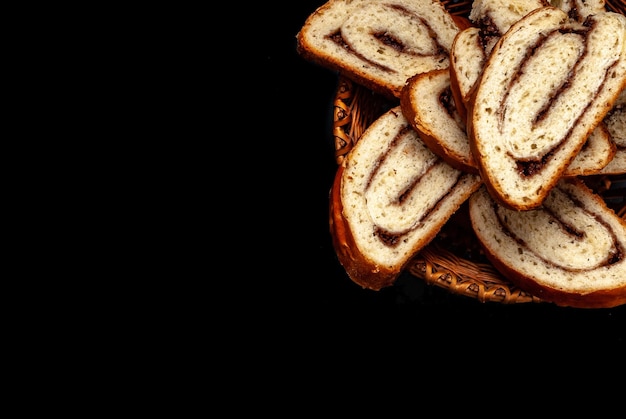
[302, 284]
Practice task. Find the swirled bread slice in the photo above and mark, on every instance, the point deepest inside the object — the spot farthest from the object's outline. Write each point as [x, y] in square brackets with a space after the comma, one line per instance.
[547, 84]
[429, 107]
[472, 45]
[467, 59]
[390, 198]
[379, 43]
[571, 251]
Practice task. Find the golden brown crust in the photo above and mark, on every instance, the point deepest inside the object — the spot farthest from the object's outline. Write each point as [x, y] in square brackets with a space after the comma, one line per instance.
[456, 93]
[360, 270]
[459, 99]
[426, 135]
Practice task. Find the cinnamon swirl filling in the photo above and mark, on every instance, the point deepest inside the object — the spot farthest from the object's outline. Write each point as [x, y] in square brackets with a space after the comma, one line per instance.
[396, 191]
[572, 240]
[412, 44]
[548, 83]
[551, 86]
[399, 193]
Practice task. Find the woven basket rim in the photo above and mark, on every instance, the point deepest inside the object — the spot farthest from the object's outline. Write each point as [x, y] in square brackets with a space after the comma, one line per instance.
[355, 108]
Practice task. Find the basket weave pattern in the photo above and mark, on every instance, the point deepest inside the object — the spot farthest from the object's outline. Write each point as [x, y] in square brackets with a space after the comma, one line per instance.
[454, 260]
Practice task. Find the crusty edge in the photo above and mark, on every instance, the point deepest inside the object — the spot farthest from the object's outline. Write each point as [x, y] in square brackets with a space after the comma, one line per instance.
[360, 269]
[459, 98]
[431, 140]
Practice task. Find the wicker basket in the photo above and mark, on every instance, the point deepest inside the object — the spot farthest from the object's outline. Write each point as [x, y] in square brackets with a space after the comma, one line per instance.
[453, 260]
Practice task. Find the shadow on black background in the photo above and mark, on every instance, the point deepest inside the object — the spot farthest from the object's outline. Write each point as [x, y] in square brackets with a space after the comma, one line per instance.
[303, 286]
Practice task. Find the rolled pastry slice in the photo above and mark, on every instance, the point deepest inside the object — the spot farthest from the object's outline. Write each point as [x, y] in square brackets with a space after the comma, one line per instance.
[379, 43]
[390, 198]
[429, 107]
[547, 84]
[571, 251]
[491, 19]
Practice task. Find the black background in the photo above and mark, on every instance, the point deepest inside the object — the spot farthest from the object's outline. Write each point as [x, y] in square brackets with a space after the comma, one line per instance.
[301, 284]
